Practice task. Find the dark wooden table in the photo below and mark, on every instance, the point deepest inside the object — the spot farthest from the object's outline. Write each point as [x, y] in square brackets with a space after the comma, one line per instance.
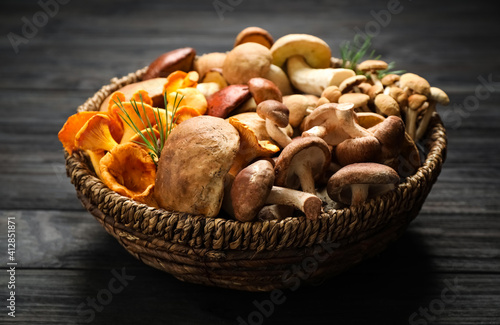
[444, 270]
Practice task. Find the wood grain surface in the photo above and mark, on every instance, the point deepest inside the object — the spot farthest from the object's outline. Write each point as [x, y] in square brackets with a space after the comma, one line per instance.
[444, 270]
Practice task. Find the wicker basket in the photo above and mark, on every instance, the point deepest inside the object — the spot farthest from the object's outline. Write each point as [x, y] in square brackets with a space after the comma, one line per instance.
[256, 256]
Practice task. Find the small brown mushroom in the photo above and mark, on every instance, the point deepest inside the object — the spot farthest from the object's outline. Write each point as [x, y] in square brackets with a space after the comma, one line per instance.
[372, 67]
[438, 96]
[360, 101]
[276, 115]
[351, 84]
[263, 89]
[390, 79]
[246, 61]
[358, 150]
[255, 35]
[301, 163]
[415, 103]
[332, 93]
[223, 102]
[299, 106]
[414, 84]
[179, 59]
[207, 62]
[386, 105]
[253, 188]
[356, 183]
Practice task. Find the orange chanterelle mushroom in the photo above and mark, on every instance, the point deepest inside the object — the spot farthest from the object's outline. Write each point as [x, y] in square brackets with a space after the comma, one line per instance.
[128, 170]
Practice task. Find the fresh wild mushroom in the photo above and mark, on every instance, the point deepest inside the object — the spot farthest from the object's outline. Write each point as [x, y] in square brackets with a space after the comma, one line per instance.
[299, 106]
[246, 61]
[255, 35]
[280, 79]
[415, 102]
[194, 163]
[165, 64]
[253, 188]
[357, 150]
[360, 101]
[351, 84]
[263, 89]
[372, 67]
[207, 62]
[356, 183]
[226, 100]
[301, 163]
[386, 105]
[276, 115]
[438, 96]
[414, 84]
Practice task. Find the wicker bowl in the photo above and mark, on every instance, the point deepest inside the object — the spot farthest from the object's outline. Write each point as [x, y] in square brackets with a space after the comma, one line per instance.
[254, 256]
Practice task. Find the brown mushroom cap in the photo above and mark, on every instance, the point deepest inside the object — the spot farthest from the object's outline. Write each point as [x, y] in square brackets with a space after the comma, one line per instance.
[359, 100]
[439, 96]
[179, 59]
[302, 162]
[415, 83]
[255, 35]
[355, 183]
[297, 105]
[250, 189]
[246, 61]
[416, 100]
[263, 89]
[369, 119]
[223, 102]
[372, 65]
[358, 150]
[386, 105]
[275, 111]
[332, 93]
[209, 61]
[195, 160]
[154, 88]
[390, 79]
[349, 83]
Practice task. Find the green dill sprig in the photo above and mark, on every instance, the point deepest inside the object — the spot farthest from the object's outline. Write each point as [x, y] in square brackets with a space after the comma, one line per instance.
[352, 54]
[149, 139]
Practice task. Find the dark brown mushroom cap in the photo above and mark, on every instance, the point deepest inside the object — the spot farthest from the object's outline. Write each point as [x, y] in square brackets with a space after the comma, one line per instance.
[226, 100]
[274, 111]
[255, 35]
[357, 150]
[376, 176]
[250, 189]
[311, 151]
[263, 89]
[179, 59]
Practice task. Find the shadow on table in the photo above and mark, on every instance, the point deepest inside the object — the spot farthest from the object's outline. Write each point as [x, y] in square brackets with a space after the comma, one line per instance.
[385, 290]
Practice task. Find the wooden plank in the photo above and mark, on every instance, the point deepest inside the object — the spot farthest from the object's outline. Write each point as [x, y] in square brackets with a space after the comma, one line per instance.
[148, 296]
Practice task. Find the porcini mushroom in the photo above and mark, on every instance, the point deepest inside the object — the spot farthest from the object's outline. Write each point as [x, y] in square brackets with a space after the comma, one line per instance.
[194, 163]
[280, 79]
[315, 51]
[165, 64]
[301, 163]
[276, 115]
[226, 100]
[255, 35]
[246, 61]
[253, 188]
[356, 183]
[263, 89]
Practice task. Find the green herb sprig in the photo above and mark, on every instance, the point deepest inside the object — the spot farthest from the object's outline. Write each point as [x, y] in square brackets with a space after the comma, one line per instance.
[154, 145]
[351, 54]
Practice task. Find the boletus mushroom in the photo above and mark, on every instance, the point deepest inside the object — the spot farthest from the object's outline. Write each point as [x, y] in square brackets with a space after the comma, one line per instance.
[194, 163]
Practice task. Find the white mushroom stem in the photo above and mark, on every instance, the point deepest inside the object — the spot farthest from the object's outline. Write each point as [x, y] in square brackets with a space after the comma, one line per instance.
[422, 127]
[375, 79]
[411, 120]
[316, 131]
[308, 203]
[306, 179]
[313, 81]
[277, 134]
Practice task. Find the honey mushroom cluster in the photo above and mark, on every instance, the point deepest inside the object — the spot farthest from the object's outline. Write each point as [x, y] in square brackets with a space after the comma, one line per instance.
[267, 130]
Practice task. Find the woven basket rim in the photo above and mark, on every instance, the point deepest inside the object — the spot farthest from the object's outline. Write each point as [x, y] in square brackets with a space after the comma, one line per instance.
[219, 233]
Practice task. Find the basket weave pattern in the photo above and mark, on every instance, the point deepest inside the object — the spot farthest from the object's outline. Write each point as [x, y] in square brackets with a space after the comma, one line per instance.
[252, 256]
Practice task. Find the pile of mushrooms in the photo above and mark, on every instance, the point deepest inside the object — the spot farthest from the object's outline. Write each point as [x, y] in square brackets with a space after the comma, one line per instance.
[267, 130]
